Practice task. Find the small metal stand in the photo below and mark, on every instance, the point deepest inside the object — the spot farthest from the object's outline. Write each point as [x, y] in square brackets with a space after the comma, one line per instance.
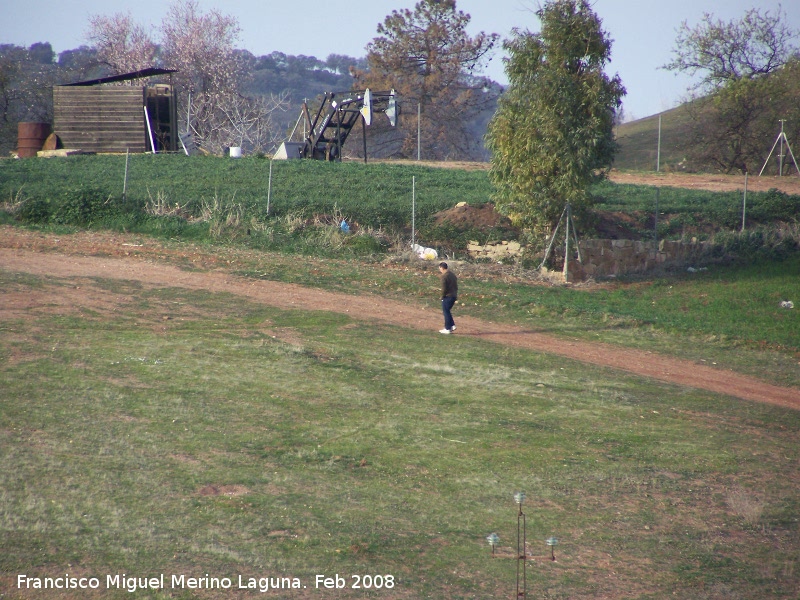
[493, 540]
[552, 542]
[522, 557]
[522, 565]
[569, 221]
[781, 138]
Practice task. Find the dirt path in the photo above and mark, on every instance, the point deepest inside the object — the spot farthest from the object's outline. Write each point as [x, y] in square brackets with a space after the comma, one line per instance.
[700, 181]
[716, 183]
[22, 252]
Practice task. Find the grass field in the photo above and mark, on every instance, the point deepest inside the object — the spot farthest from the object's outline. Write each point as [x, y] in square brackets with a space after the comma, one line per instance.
[727, 316]
[376, 195]
[188, 197]
[167, 431]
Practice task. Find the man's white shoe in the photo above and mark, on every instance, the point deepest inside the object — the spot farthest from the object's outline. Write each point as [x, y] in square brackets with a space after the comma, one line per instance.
[446, 331]
[453, 329]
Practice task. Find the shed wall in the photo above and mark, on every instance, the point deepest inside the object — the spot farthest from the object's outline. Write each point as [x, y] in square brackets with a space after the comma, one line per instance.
[101, 118]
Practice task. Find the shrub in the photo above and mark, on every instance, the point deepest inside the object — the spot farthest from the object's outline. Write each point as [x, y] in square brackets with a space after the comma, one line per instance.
[774, 205]
[761, 243]
[83, 206]
[35, 211]
[365, 244]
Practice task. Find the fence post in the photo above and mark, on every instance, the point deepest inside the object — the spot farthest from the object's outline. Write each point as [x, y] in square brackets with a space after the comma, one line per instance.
[744, 201]
[413, 211]
[658, 151]
[125, 180]
[269, 185]
[655, 225]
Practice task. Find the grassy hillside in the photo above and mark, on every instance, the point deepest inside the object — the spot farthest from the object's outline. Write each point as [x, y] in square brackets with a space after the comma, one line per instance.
[149, 429]
[638, 141]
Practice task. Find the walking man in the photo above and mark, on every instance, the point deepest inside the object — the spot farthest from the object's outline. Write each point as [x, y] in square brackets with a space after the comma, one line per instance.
[449, 296]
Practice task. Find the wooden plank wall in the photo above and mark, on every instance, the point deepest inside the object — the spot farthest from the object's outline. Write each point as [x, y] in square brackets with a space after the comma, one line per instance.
[100, 118]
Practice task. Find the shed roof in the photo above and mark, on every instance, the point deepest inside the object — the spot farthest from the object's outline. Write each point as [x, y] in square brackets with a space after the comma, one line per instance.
[149, 72]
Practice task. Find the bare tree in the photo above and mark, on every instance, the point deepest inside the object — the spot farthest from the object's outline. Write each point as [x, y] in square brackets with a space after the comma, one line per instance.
[249, 122]
[201, 47]
[122, 45]
[748, 82]
[755, 45]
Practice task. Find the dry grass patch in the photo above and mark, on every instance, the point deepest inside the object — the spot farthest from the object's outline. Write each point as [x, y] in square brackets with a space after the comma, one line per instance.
[223, 490]
[747, 505]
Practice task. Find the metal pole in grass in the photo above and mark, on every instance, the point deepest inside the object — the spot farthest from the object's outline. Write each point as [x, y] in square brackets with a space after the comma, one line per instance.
[552, 542]
[658, 152]
[413, 210]
[744, 200]
[269, 185]
[125, 180]
[519, 498]
[655, 220]
[566, 248]
[493, 540]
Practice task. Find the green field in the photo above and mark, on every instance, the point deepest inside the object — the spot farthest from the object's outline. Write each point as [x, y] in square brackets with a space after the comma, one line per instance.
[160, 430]
[378, 195]
[186, 194]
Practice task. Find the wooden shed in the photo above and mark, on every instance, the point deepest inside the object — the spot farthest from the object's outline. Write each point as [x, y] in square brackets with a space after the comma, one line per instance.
[96, 117]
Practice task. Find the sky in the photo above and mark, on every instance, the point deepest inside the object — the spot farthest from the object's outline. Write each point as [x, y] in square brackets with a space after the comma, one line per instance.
[643, 31]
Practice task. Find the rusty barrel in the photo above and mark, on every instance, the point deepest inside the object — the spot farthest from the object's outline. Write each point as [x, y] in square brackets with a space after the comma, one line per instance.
[31, 137]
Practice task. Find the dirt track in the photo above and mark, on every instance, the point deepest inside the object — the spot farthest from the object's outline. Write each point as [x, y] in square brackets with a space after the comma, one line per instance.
[698, 181]
[34, 253]
[717, 183]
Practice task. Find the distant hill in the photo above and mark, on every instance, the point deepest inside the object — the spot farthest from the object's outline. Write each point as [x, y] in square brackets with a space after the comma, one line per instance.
[638, 142]
[299, 78]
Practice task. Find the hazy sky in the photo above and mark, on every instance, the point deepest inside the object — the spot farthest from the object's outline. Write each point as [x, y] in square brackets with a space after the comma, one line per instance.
[643, 31]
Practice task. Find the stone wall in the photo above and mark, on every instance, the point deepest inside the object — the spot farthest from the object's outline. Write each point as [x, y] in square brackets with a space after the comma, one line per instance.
[604, 258]
[495, 251]
[610, 258]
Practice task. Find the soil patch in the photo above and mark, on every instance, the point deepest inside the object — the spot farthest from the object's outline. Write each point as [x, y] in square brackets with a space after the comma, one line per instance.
[789, 184]
[223, 490]
[465, 216]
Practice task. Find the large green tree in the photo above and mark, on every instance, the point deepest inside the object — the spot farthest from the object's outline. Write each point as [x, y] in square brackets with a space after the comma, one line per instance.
[552, 134]
[431, 62]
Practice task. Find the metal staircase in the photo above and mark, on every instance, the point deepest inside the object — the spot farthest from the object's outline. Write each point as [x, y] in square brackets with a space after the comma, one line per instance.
[328, 131]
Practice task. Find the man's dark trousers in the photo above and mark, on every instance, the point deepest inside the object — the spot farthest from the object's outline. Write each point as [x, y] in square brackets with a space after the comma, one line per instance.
[447, 305]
